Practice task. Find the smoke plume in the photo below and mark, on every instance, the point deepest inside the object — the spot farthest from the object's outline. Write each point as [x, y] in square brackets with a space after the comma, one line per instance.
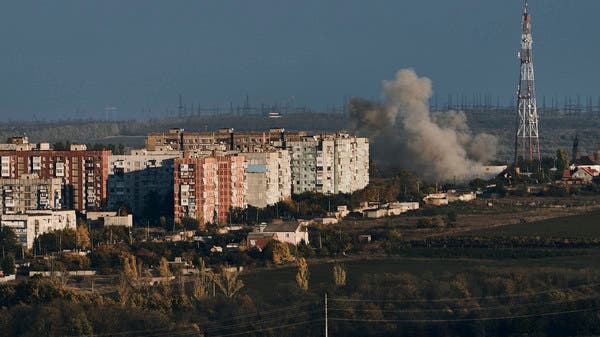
[404, 133]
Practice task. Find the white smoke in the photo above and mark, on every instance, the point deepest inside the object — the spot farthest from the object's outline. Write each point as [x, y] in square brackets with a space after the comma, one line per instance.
[404, 132]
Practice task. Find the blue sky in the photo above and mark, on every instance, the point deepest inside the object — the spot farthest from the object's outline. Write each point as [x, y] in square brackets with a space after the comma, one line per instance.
[65, 59]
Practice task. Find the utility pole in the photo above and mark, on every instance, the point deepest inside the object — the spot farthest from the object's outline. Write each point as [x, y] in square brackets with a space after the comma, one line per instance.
[326, 322]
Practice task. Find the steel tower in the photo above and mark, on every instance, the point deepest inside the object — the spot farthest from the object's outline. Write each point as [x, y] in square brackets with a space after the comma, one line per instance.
[527, 143]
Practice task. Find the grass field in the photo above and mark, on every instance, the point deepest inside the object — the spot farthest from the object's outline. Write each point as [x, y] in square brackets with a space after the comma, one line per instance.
[576, 226]
[266, 281]
[587, 225]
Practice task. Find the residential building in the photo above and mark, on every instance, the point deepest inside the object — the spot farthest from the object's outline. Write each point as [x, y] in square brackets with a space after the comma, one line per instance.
[83, 173]
[268, 177]
[207, 188]
[29, 226]
[329, 164]
[292, 232]
[29, 192]
[140, 179]
[580, 175]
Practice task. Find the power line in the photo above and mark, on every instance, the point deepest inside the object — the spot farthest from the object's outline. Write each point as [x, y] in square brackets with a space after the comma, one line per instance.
[249, 331]
[499, 318]
[450, 299]
[262, 321]
[470, 308]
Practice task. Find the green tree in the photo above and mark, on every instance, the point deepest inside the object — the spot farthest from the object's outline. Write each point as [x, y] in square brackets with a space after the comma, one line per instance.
[9, 241]
[562, 160]
[189, 223]
[8, 265]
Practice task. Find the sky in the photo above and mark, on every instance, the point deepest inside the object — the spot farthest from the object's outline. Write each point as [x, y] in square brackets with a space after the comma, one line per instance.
[72, 59]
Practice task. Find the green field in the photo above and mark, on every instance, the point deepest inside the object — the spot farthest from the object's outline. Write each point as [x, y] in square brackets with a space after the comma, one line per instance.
[576, 226]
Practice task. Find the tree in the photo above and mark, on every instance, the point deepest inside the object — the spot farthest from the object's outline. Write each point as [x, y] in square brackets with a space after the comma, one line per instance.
[202, 281]
[9, 241]
[278, 252]
[189, 223]
[8, 265]
[82, 236]
[339, 275]
[303, 274]
[163, 269]
[56, 240]
[228, 282]
[562, 160]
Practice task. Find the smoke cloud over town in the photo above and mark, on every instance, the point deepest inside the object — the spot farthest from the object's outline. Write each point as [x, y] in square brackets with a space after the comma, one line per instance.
[403, 132]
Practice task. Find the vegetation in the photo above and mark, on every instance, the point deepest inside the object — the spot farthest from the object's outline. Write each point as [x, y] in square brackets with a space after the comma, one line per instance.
[303, 274]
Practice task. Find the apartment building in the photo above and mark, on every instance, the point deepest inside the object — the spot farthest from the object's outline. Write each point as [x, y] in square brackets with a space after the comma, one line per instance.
[207, 188]
[224, 139]
[83, 173]
[268, 177]
[137, 177]
[329, 163]
[29, 226]
[325, 163]
[29, 192]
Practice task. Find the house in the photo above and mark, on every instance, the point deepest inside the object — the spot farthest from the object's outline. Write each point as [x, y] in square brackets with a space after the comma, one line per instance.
[580, 175]
[584, 174]
[390, 209]
[292, 232]
[436, 199]
[340, 212]
[464, 196]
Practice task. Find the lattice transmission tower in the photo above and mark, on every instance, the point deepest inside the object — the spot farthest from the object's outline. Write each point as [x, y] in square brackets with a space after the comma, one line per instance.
[527, 142]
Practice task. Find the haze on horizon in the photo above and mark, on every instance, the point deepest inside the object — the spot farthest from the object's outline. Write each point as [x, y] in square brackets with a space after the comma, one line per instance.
[71, 59]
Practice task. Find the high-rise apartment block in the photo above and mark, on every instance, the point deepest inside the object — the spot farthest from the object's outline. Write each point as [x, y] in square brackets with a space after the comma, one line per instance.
[83, 173]
[29, 192]
[207, 188]
[329, 163]
[268, 177]
[141, 179]
[325, 163]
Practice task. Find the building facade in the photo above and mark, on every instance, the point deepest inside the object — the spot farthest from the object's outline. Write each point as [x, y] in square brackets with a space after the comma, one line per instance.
[29, 226]
[329, 164]
[140, 179]
[207, 188]
[29, 192]
[268, 177]
[83, 173]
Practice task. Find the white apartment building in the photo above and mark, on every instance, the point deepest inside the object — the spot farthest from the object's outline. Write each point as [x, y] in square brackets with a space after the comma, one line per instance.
[29, 226]
[133, 177]
[29, 192]
[268, 177]
[329, 164]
